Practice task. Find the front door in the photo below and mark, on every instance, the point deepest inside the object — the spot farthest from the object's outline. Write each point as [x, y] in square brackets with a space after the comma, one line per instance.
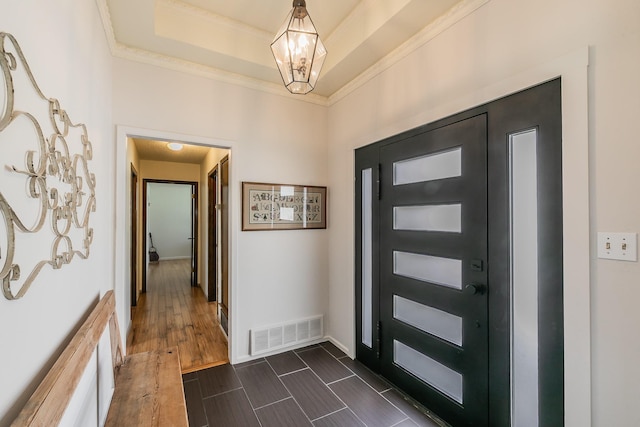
[433, 248]
[459, 262]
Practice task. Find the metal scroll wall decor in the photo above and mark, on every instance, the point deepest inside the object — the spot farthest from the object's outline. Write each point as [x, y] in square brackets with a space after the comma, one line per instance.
[57, 181]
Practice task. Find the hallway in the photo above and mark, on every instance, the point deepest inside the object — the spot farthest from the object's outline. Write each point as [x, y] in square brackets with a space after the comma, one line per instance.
[171, 312]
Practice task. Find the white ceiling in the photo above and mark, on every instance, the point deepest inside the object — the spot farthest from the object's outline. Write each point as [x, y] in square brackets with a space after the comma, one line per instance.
[158, 150]
[230, 39]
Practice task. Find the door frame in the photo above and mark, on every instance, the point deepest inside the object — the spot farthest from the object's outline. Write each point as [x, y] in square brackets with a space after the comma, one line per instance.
[194, 224]
[573, 67]
[370, 156]
[225, 311]
[135, 252]
[212, 234]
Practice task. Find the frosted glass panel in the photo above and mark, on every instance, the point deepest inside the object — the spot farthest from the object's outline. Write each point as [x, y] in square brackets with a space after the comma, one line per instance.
[428, 218]
[441, 271]
[524, 279]
[432, 372]
[367, 224]
[428, 319]
[446, 164]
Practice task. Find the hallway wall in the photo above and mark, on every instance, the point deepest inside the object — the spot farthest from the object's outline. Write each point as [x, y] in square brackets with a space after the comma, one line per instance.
[469, 63]
[65, 46]
[276, 276]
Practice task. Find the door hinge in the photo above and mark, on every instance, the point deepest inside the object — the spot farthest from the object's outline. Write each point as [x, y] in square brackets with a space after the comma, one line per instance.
[378, 338]
[378, 182]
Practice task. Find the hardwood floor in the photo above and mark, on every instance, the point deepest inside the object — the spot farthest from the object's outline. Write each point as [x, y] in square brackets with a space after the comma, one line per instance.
[172, 312]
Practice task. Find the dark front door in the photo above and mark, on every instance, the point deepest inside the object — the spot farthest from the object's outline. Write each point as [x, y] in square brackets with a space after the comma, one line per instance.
[459, 262]
[433, 240]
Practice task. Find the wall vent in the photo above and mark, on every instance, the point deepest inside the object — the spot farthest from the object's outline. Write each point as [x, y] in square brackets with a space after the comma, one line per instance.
[285, 335]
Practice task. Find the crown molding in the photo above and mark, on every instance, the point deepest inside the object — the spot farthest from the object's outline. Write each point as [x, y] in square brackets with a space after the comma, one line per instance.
[105, 16]
[152, 58]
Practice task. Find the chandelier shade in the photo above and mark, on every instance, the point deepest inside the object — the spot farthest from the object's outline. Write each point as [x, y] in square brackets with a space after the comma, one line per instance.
[298, 50]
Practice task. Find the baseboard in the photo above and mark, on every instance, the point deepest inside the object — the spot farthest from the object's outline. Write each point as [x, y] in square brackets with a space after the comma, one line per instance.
[340, 346]
[249, 358]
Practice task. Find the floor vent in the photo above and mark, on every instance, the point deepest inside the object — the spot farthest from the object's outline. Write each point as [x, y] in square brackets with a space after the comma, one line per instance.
[285, 335]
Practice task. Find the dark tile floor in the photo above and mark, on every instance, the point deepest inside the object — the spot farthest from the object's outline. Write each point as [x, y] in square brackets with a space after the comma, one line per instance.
[314, 386]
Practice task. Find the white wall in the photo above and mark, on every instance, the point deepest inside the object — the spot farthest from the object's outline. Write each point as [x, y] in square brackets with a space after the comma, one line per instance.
[276, 276]
[462, 67]
[169, 219]
[64, 44]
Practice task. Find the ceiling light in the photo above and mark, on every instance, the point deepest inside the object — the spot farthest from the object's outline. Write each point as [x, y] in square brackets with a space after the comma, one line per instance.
[298, 50]
[175, 146]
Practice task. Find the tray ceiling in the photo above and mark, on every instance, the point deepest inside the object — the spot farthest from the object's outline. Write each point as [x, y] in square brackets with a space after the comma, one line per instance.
[230, 39]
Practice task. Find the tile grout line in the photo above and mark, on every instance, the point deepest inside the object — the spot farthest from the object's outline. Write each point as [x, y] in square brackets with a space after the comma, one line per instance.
[220, 394]
[409, 403]
[289, 391]
[255, 414]
[401, 421]
[335, 412]
[292, 372]
[382, 393]
[336, 395]
[272, 403]
[201, 401]
[341, 379]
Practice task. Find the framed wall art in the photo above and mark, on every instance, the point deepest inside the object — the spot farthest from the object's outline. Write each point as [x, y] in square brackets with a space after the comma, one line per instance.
[283, 207]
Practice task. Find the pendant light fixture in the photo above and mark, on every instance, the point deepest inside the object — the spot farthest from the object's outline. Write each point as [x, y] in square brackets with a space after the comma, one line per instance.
[298, 50]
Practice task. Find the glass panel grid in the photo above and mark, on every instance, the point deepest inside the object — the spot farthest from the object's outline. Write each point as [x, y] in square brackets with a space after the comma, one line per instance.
[428, 319]
[426, 268]
[444, 379]
[445, 218]
[445, 164]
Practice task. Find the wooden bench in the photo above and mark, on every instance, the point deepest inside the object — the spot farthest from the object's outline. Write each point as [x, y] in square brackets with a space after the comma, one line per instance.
[148, 386]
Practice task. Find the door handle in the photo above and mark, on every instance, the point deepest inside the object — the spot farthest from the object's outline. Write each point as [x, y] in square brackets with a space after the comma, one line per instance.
[475, 289]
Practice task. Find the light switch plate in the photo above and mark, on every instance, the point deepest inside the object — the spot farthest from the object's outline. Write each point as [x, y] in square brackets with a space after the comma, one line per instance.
[620, 246]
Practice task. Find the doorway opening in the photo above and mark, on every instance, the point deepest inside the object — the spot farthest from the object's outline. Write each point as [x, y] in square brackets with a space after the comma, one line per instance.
[181, 241]
[170, 217]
